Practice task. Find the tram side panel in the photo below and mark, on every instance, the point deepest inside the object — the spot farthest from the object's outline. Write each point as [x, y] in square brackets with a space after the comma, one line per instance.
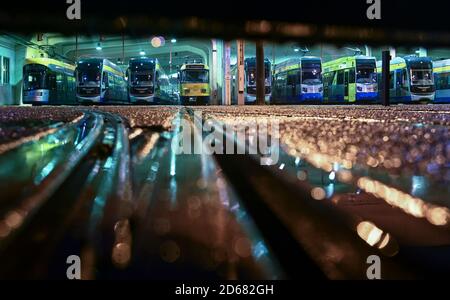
[441, 71]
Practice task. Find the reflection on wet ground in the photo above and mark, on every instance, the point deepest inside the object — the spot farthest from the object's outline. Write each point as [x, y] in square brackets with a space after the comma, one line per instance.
[198, 226]
[386, 167]
[386, 170]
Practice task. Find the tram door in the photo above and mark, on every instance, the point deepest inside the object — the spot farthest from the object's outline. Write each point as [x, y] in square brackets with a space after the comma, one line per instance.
[292, 84]
[351, 85]
[61, 91]
[53, 92]
[346, 85]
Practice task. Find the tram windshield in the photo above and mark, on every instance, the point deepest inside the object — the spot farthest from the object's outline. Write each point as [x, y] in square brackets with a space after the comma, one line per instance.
[142, 78]
[421, 77]
[311, 73]
[366, 74]
[88, 74]
[142, 73]
[197, 76]
[34, 78]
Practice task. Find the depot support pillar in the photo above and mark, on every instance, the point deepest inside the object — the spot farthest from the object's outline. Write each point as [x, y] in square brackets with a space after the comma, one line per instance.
[385, 73]
[260, 77]
[240, 68]
[226, 98]
[213, 71]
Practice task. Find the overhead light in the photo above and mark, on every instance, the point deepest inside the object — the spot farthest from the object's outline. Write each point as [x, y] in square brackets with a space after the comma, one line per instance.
[157, 41]
[99, 47]
[141, 53]
[173, 41]
[296, 49]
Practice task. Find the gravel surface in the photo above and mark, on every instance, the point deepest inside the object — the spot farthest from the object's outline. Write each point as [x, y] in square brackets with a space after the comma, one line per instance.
[413, 137]
[145, 116]
[22, 121]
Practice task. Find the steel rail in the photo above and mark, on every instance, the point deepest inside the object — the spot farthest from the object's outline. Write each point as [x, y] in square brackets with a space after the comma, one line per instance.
[25, 208]
[96, 219]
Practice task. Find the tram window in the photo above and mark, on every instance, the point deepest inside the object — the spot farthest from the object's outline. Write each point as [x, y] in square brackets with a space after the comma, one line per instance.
[60, 82]
[157, 80]
[52, 82]
[292, 78]
[340, 77]
[404, 78]
[281, 80]
[326, 79]
[399, 78]
[112, 80]
[329, 78]
[282, 77]
[105, 83]
[446, 81]
[443, 81]
[71, 83]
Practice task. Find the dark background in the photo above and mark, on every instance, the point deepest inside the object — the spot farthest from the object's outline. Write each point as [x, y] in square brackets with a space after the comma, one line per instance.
[412, 14]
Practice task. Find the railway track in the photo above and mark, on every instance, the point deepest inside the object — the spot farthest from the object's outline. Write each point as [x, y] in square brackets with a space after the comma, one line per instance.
[116, 193]
[91, 159]
[108, 199]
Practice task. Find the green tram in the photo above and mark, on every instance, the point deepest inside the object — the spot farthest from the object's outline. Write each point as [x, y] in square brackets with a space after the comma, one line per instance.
[350, 79]
[48, 81]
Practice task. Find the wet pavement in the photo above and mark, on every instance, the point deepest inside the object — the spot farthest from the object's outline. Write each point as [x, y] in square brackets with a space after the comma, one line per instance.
[137, 209]
[21, 122]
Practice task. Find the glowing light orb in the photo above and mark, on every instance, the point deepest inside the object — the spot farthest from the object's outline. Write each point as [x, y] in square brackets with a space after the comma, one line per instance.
[158, 41]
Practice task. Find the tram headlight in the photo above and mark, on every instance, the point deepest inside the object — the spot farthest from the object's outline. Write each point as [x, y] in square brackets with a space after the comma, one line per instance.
[359, 88]
[320, 89]
[304, 90]
[203, 91]
[187, 91]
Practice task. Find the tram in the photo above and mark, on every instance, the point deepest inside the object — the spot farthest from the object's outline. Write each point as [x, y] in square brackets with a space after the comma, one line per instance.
[250, 81]
[194, 84]
[48, 81]
[411, 79]
[298, 80]
[100, 81]
[350, 79]
[147, 82]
